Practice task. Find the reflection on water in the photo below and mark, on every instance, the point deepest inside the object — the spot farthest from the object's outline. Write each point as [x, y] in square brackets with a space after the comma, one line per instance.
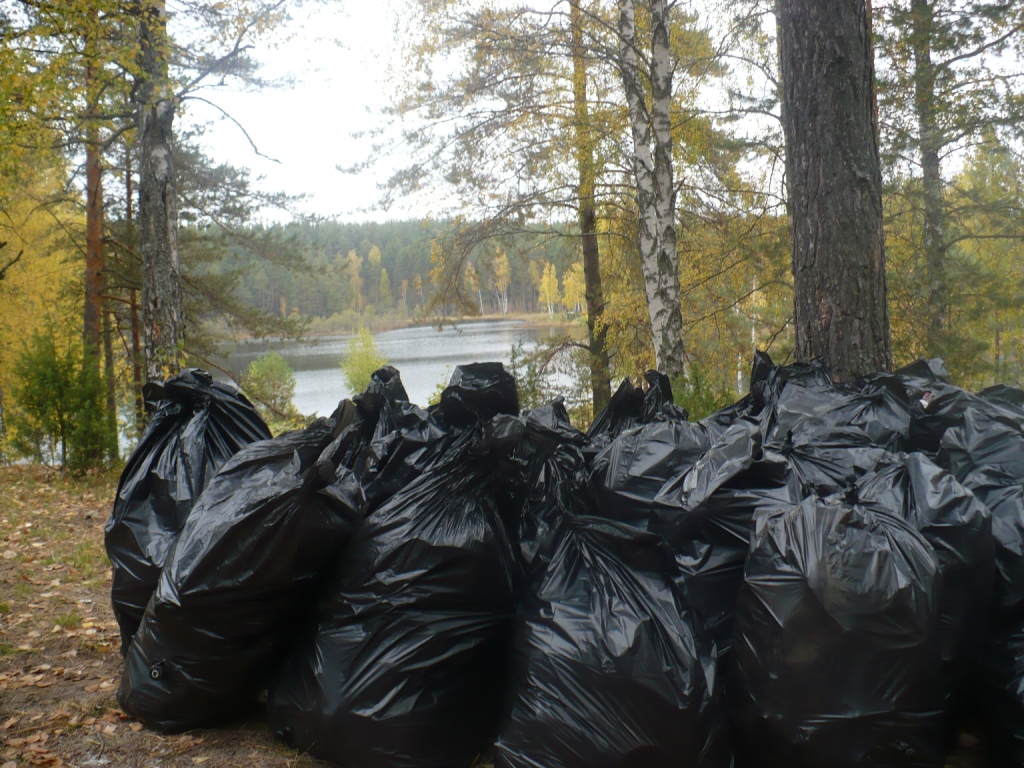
[424, 356]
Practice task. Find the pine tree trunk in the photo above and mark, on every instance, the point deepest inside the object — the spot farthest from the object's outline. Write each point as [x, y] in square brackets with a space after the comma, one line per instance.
[92, 307]
[93, 249]
[163, 323]
[835, 186]
[600, 375]
[652, 165]
[933, 241]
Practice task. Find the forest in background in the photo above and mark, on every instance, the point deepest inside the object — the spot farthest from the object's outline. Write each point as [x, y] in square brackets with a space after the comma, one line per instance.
[532, 90]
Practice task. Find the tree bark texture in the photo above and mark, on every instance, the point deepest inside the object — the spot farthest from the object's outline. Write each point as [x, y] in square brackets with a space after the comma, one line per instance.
[93, 304]
[600, 369]
[933, 241]
[651, 128]
[163, 322]
[835, 185]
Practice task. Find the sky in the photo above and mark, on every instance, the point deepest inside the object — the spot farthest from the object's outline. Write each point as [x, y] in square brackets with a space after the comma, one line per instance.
[339, 54]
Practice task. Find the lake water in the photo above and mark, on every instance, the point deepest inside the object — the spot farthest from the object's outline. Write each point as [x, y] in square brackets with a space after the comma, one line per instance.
[424, 355]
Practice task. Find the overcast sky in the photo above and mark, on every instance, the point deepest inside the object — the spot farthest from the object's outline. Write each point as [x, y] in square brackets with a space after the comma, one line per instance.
[339, 53]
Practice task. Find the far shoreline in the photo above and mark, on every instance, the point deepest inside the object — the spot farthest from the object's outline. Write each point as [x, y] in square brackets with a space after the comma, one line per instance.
[527, 320]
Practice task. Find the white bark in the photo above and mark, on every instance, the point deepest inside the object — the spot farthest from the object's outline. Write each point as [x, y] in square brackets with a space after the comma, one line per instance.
[651, 127]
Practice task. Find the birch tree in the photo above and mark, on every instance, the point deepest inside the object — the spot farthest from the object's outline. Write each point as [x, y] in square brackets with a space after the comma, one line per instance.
[651, 68]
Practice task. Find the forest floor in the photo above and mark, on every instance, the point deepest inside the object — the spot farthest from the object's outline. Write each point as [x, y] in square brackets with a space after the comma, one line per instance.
[59, 659]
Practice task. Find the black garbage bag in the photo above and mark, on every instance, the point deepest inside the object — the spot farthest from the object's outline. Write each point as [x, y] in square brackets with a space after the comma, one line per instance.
[659, 402]
[1004, 697]
[1005, 397]
[631, 471]
[407, 440]
[623, 411]
[632, 406]
[476, 393]
[556, 489]
[881, 410]
[196, 424]
[1004, 496]
[750, 406]
[959, 529]
[769, 382]
[989, 436]
[836, 648]
[706, 513]
[408, 657]
[242, 574]
[936, 404]
[828, 459]
[549, 462]
[611, 668]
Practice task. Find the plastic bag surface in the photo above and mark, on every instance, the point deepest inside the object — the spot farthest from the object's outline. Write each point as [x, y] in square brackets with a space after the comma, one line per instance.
[1004, 497]
[611, 670]
[706, 515]
[836, 646]
[196, 425]
[959, 528]
[407, 660]
[240, 576]
[630, 472]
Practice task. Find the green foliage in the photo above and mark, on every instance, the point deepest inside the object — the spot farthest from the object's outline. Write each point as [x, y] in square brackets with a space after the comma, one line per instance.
[700, 396]
[556, 368]
[59, 405]
[526, 368]
[270, 383]
[435, 396]
[361, 361]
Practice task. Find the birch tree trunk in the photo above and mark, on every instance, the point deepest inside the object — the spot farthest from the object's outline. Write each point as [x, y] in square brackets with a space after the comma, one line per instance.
[163, 323]
[835, 185]
[651, 128]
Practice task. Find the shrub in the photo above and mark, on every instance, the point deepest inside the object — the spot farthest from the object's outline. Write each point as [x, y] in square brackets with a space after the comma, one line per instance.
[59, 407]
[361, 361]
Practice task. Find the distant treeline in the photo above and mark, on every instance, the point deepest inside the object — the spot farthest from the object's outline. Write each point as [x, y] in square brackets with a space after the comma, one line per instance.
[343, 275]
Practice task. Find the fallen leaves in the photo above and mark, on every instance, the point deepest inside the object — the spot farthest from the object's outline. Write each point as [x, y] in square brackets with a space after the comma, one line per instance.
[58, 676]
[30, 749]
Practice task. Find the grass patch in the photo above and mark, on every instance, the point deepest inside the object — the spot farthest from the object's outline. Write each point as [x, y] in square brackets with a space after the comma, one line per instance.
[69, 620]
[87, 558]
[5, 607]
[22, 590]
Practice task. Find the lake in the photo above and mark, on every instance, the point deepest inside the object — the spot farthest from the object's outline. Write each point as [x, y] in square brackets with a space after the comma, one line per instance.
[424, 355]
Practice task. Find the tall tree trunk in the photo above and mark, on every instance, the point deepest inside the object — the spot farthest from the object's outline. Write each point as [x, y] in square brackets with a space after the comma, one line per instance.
[652, 166]
[93, 314]
[92, 308]
[835, 185]
[933, 242]
[140, 401]
[600, 373]
[163, 322]
[129, 197]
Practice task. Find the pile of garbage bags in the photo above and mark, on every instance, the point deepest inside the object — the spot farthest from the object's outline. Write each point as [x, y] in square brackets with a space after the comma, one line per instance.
[819, 574]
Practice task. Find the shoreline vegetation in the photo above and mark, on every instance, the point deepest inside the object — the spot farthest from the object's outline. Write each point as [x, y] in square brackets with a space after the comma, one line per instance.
[382, 324]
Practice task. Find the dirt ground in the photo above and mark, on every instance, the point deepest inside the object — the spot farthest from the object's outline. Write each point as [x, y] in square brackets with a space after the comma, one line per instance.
[59, 660]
